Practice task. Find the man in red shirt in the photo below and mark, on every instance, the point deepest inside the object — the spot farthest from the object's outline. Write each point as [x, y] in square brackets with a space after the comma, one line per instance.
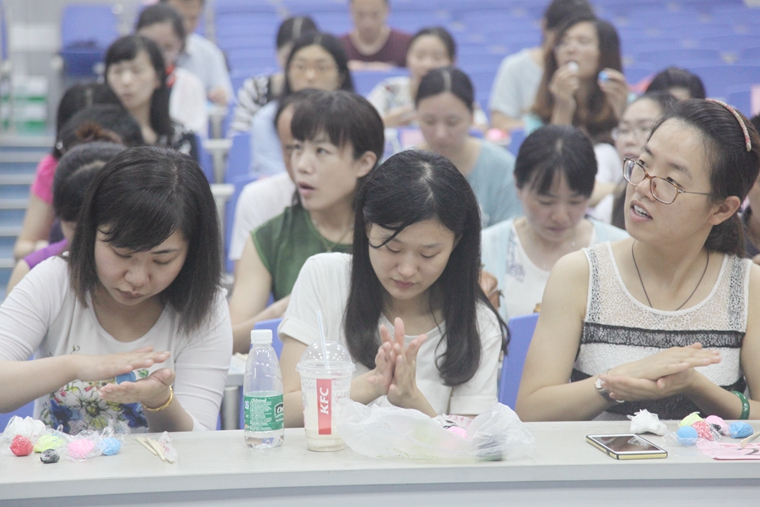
[372, 40]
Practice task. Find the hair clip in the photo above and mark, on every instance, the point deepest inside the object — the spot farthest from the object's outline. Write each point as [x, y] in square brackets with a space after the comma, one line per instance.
[733, 111]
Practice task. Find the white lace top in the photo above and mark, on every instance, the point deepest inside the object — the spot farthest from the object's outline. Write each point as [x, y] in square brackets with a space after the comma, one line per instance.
[619, 329]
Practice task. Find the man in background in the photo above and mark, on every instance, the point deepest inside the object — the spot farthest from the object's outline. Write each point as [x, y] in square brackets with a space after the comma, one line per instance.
[201, 56]
[372, 41]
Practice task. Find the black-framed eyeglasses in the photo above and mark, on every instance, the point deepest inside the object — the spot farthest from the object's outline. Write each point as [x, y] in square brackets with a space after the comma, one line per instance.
[663, 190]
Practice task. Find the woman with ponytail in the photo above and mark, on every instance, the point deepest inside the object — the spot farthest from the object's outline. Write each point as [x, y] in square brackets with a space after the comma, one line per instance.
[668, 320]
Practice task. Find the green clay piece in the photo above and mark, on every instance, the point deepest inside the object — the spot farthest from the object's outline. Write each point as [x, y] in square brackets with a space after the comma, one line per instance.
[690, 419]
[46, 442]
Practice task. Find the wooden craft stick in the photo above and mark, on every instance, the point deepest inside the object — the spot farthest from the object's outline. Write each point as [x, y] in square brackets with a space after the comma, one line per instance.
[144, 443]
[747, 440]
[157, 448]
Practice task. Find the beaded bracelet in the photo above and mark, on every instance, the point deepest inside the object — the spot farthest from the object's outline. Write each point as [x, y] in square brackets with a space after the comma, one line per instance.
[745, 405]
[171, 397]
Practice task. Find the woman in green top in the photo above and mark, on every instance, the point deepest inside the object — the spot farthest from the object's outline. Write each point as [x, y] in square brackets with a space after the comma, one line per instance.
[338, 140]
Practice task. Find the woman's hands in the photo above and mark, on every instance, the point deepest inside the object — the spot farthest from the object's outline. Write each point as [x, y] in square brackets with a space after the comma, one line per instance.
[395, 372]
[88, 367]
[400, 116]
[563, 85]
[153, 391]
[616, 90]
[664, 374]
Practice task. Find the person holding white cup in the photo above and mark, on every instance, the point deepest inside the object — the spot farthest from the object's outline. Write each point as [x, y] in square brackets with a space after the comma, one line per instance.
[415, 270]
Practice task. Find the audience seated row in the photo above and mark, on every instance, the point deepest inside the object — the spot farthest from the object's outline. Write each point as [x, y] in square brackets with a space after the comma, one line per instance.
[399, 254]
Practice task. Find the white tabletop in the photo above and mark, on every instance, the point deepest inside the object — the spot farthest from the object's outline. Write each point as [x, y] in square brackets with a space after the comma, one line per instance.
[217, 468]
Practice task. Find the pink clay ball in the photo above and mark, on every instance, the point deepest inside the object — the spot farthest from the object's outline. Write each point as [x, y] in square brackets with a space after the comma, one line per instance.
[703, 430]
[79, 449]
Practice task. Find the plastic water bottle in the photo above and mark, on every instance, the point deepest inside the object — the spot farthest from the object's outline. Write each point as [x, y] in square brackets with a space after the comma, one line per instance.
[262, 403]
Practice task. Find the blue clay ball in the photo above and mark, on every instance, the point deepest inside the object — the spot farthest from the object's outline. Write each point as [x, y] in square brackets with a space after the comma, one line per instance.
[110, 446]
[126, 377]
[740, 430]
[687, 436]
[603, 76]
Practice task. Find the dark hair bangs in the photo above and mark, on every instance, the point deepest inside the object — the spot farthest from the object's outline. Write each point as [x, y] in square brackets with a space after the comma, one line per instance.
[344, 117]
[553, 150]
[383, 210]
[317, 117]
[125, 48]
[126, 217]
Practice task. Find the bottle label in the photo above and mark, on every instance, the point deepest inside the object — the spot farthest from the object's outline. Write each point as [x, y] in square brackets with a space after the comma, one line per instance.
[263, 413]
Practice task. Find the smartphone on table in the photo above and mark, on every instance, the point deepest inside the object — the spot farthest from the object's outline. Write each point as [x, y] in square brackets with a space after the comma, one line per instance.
[626, 446]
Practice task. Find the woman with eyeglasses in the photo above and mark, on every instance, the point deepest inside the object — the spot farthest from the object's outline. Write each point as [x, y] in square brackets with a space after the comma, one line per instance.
[317, 61]
[668, 320]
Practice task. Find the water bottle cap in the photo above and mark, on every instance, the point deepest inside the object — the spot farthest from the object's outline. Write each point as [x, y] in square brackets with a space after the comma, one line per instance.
[261, 337]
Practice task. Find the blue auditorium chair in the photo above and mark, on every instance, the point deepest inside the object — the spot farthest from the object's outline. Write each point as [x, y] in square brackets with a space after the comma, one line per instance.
[719, 78]
[677, 57]
[521, 333]
[86, 33]
[741, 98]
[366, 80]
[25, 411]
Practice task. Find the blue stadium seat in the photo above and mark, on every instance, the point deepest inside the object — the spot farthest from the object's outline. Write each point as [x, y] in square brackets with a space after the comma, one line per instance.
[307, 6]
[677, 57]
[205, 160]
[3, 34]
[253, 42]
[366, 80]
[336, 23]
[637, 72]
[741, 98]
[719, 78]
[238, 158]
[521, 333]
[246, 27]
[25, 411]
[516, 138]
[736, 13]
[253, 64]
[86, 33]
[729, 42]
[239, 182]
[239, 7]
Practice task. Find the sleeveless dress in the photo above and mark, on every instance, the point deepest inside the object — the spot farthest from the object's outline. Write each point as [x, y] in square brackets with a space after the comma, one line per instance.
[619, 329]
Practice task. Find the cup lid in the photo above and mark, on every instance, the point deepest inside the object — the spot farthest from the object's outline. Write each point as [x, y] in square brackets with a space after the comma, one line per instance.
[338, 360]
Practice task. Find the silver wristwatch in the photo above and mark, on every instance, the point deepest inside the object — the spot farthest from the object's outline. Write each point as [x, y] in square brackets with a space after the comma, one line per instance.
[603, 392]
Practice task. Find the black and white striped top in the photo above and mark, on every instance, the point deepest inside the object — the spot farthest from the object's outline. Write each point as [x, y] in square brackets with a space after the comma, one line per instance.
[619, 329]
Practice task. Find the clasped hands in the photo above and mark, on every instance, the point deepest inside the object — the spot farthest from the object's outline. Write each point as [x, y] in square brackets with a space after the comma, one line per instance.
[152, 391]
[664, 374]
[396, 367]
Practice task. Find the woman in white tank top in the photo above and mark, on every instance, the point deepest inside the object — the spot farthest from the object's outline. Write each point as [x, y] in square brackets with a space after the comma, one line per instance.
[668, 320]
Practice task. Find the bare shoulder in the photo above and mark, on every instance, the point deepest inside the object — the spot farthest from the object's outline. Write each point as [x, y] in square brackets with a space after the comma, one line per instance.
[572, 268]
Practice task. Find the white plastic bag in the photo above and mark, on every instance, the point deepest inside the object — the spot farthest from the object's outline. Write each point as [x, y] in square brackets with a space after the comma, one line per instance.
[391, 432]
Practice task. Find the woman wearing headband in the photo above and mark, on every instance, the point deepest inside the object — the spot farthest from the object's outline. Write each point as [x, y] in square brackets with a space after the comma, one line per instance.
[668, 320]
